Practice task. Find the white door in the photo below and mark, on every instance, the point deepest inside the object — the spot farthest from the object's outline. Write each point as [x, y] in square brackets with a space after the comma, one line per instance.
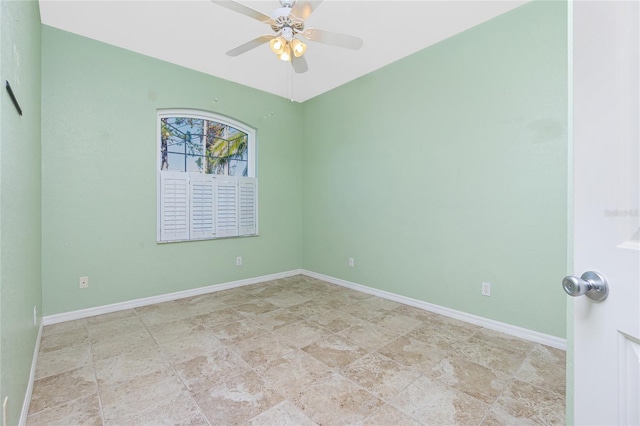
[606, 221]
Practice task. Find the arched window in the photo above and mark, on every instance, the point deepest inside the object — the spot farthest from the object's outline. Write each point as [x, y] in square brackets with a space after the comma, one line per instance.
[207, 185]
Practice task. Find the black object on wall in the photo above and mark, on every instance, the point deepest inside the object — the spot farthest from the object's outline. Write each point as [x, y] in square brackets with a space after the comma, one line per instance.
[13, 97]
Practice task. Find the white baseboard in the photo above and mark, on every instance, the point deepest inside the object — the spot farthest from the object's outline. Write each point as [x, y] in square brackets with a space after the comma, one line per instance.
[136, 303]
[523, 333]
[32, 375]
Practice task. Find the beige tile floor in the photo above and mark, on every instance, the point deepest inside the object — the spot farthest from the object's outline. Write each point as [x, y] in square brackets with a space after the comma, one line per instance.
[295, 351]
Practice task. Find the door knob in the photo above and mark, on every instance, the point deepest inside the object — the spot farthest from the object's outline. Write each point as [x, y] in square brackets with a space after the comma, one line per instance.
[591, 284]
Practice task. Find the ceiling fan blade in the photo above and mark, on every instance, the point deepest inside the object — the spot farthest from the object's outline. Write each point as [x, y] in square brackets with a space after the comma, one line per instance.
[245, 10]
[252, 44]
[335, 39]
[302, 9]
[299, 64]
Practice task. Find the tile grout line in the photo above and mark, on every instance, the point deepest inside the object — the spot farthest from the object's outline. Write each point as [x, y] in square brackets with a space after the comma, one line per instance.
[95, 373]
[492, 406]
[172, 367]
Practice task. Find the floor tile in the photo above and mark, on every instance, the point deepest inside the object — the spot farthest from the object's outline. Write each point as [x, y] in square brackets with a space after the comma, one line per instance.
[501, 418]
[301, 334]
[388, 415]
[473, 379]
[368, 336]
[524, 400]
[56, 341]
[417, 313]
[412, 352]
[199, 373]
[380, 303]
[380, 375]
[310, 308]
[263, 349]
[336, 320]
[266, 290]
[442, 331]
[178, 329]
[162, 312]
[396, 323]
[236, 296]
[110, 316]
[122, 344]
[159, 392]
[494, 357]
[292, 373]
[548, 354]
[189, 346]
[82, 411]
[504, 340]
[221, 317]
[283, 414]
[435, 403]
[335, 351]
[252, 309]
[237, 399]
[237, 331]
[203, 304]
[335, 400]
[363, 310]
[547, 375]
[276, 319]
[103, 330]
[173, 413]
[61, 388]
[353, 296]
[127, 366]
[287, 298]
[331, 300]
[64, 326]
[68, 358]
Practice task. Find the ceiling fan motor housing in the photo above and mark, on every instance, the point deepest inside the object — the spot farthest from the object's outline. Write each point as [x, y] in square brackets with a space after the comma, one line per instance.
[283, 19]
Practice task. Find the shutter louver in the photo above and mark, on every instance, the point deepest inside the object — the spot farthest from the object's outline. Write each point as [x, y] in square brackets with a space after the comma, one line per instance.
[202, 206]
[174, 206]
[248, 206]
[227, 206]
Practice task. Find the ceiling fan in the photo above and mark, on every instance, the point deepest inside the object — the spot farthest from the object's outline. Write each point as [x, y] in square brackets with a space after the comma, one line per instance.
[287, 23]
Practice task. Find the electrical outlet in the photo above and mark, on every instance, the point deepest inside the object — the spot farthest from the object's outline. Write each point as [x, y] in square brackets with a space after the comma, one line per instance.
[351, 262]
[486, 289]
[239, 261]
[35, 315]
[84, 282]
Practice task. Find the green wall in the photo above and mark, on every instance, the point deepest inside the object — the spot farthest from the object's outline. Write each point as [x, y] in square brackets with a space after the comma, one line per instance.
[447, 169]
[20, 211]
[99, 167]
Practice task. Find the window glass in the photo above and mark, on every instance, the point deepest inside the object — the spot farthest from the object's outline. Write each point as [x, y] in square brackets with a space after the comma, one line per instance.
[205, 146]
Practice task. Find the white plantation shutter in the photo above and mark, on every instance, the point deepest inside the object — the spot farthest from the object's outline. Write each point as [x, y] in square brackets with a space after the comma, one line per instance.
[174, 206]
[226, 206]
[202, 206]
[195, 206]
[248, 197]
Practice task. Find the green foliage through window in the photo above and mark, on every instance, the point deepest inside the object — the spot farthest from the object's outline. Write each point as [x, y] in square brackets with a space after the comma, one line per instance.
[205, 146]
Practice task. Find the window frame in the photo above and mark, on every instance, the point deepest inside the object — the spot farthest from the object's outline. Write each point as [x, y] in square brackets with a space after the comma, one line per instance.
[251, 165]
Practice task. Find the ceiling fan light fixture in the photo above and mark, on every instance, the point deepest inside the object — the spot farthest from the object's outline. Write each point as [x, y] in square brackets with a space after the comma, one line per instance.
[278, 45]
[286, 54]
[298, 47]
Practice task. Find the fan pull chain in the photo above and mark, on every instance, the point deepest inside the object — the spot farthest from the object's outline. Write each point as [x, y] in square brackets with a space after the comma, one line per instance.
[291, 76]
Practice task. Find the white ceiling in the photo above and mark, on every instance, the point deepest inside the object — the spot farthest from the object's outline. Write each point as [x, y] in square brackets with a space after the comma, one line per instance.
[197, 33]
